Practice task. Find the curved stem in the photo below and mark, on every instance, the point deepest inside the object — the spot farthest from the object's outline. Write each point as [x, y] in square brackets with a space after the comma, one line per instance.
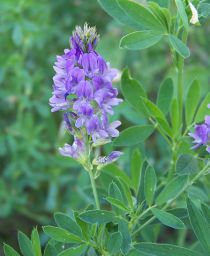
[93, 184]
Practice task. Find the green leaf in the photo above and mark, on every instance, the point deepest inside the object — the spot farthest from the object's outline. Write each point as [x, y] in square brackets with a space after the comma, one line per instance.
[192, 100]
[203, 9]
[134, 135]
[126, 238]
[165, 95]
[115, 192]
[25, 244]
[61, 235]
[74, 251]
[199, 225]
[179, 46]
[36, 242]
[155, 112]
[50, 250]
[162, 14]
[186, 165]
[9, 251]
[136, 167]
[115, 172]
[172, 190]
[206, 212]
[203, 109]
[141, 15]
[152, 249]
[150, 181]
[97, 216]
[117, 203]
[168, 219]
[139, 40]
[132, 91]
[17, 35]
[66, 222]
[114, 10]
[181, 10]
[114, 243]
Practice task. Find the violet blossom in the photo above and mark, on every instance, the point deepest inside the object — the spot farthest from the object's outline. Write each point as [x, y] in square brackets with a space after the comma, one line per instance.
[201, 134]
[83, 90]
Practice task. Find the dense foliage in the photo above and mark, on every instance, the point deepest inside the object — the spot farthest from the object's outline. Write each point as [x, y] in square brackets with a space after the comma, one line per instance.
[155, 200]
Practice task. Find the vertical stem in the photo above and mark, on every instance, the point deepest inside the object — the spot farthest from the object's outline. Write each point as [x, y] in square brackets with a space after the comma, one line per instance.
[180, 66]
[93, 184]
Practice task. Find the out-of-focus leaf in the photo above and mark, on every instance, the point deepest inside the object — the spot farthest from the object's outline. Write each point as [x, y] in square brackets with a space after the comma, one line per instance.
[186, 165]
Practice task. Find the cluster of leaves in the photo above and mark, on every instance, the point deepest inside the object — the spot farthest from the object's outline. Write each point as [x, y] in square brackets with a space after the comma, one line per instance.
[140, 201]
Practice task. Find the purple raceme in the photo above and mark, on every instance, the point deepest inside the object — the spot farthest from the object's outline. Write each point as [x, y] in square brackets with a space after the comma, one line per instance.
[201, 134]
[83, 90]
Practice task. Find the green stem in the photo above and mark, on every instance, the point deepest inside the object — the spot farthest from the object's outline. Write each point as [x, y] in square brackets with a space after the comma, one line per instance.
[180, 66]
[93, 184]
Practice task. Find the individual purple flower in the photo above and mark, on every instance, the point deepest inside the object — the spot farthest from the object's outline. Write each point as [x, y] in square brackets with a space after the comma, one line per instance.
[82, 88]
[77, 149]
[112, 157]
[201, 134]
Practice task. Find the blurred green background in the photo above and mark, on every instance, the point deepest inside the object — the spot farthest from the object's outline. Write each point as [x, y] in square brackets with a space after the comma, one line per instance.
[34, 180]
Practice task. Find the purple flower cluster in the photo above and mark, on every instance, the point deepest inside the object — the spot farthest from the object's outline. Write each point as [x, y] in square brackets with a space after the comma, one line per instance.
[201, 134]
[83, 90]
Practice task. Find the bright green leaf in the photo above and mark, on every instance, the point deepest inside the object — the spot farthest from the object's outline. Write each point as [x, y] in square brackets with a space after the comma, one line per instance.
[165, 95]
[150, 181]
[136, 167]
[140, 40]
[134, 135]
[117, 203]
[192, 100]
[25, 244]
[66, 222]
[74, 251]
[168, 219]
[36, 242]
[141, 15]
[9, 251]
[172, 190]
[61, 235]
[179, 46]
[97, 216]
[203, 110]
[181, 10]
